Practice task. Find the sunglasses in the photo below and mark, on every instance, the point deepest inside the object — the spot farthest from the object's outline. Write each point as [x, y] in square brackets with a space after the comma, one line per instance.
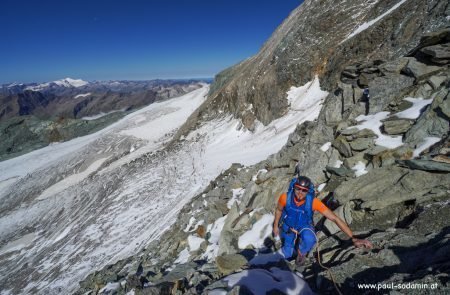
[298, 189]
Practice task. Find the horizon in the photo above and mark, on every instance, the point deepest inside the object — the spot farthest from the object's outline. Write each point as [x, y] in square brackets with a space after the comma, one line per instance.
[200, 79]
[141, 41]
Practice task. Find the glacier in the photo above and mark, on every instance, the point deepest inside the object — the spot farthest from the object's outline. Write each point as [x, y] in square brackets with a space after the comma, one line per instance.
[74, 207]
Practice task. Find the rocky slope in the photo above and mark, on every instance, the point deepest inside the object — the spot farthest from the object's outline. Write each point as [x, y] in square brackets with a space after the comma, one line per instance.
[322, 38]
[384, 159]
[400, 203]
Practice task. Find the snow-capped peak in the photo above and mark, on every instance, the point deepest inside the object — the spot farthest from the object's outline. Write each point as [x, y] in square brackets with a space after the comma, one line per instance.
[67, 82]
[14, 84]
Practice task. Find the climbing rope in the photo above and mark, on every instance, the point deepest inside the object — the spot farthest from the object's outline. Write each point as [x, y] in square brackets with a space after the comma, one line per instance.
[297, 233]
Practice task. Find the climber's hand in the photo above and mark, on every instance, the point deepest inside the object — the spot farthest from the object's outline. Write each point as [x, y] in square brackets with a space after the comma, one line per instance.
[361, 243]
[276, 232]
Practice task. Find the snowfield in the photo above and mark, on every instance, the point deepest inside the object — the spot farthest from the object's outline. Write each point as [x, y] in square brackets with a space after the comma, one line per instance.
[74, 207]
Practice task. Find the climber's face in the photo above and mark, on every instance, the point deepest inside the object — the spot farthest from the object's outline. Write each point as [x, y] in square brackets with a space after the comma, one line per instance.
[300, 192]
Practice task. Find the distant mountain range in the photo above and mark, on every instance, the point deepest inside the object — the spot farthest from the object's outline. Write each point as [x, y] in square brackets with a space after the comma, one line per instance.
[73, 98]
[77, 85]
[34, 115]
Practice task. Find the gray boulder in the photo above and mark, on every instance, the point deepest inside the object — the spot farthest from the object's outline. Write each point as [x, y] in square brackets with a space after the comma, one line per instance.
[341, 171]
[387, 186]
[230, 263]
[393, 67]
[331, 111]
[384, 89]
[227, 241]
[436, 81]
[419, 70]
[342, 145]
[395, 127]
[444, 107]
[361, 144]
[439, 53]
[430, 123]
[352, 161]
[425, 165]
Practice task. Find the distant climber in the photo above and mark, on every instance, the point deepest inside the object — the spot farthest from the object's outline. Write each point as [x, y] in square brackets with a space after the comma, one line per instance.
[294, 219]
[366, 94]
[365, 99]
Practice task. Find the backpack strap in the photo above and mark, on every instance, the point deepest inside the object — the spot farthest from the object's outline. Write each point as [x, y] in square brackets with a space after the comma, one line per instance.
[308, 207]
[291, 185]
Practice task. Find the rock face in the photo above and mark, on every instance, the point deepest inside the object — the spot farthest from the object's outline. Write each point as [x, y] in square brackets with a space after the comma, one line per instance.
[327, 40]
[398, 198]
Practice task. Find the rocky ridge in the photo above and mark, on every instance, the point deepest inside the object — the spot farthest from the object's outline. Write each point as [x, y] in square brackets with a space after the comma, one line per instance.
[321, 38]
[399, 201]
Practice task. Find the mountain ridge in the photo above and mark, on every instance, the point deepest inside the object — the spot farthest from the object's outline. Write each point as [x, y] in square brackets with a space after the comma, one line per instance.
[307, 43]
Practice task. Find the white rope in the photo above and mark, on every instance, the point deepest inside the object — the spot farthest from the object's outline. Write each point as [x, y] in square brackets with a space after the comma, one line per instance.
[297, 233]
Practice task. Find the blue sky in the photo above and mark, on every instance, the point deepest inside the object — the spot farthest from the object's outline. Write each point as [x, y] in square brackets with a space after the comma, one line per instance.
[133, 39]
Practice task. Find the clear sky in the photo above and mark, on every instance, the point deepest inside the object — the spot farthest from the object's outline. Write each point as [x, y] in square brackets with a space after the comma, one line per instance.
[131, 39]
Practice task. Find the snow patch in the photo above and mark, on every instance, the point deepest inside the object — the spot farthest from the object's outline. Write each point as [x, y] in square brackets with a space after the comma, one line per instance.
[71, 180]
[68, 82]
[214, 229]
[260, 230]
[373, 122]
[82, 95]
[321, 187]
[366, 25]
[109, 288]
[190, 223]
[338, 164]
[63, 234]
[194, 242]
[415, 110]
[183, 257]
[18, 244]
[262, 171]
[302, 98]
[360, 169]
[325, 147]
[426, 143]
[237, 194]
[100, 115]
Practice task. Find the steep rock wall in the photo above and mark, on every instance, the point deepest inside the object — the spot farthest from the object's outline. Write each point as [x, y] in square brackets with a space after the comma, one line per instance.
[312, 41]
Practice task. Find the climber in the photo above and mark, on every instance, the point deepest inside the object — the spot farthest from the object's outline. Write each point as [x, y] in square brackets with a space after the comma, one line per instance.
[365, 99]
[294, 218]
[366, 95]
